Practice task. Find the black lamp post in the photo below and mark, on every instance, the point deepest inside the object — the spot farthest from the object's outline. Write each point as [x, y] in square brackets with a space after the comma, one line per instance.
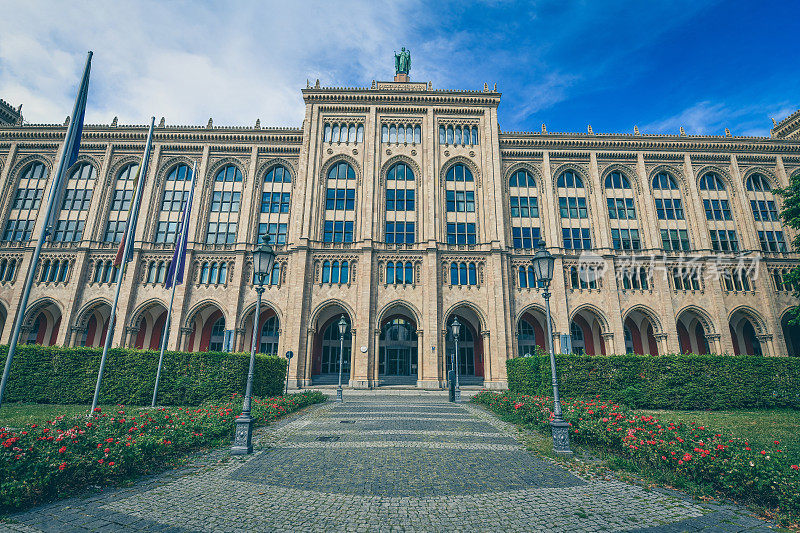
[543, 264]
[342, 331]
[455, 328]
[263, 257]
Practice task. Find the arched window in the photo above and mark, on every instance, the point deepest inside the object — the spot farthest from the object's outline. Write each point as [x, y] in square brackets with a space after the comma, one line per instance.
[462, 270]
[111, 272]
[575, 229]
[152, 272]
[176, 194]
[392, 133]
[473, 276]
[327, 135]
[401, 134]
[229, 173]
[442, 137]
[622, 213]
[460, 198]
[275, 197]
[385, 133]
[417, 135]
[27, 200]
[269, 337]
[225, 201]
[351, 133]
[98, 272]
[45, 271]
[62, 273]
[453, 274]
[326, 272]
[223, 273]
[409, 273]
[12, 268]
[3, 266]
[339, 204]
[764, 206]
[275, 275]
[526, 339]
[360, 133]
[204, 274]
[335, 272]
[214, 274]
[345, 272]
[524, 206]
[162, 272]
[390, 272]
[475, 135]
[76, 200]
[400, 205]
[449, 134]
[719, 217]
[463, 274]
[523, 279]
[457, 136]
[669, 210]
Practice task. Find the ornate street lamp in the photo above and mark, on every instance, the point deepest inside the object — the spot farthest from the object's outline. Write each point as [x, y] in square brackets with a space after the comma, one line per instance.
[342, 331]
[543, 264]
[263, 257]
[455, 328]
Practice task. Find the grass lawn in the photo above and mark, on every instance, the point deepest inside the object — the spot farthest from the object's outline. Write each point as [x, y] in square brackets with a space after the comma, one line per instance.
[16, 415]
[760, 427]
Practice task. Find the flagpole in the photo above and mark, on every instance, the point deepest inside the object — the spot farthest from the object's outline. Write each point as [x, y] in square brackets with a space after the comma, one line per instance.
[130, 233]
[181, 239]
[64, 162]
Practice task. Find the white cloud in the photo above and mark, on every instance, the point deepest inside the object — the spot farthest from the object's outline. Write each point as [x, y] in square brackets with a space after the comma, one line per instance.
[706, 118]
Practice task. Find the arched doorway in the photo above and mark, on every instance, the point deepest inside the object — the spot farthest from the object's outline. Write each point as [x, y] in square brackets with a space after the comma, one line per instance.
[639, 333]
[208, 330]
[397, 351]
[743, 334]
[43, 324]
[92, 325]
[470, 347]
[269, 328]
[150, 326]
[328, 346]
[791, 334]
[586, 331]
[530, 334]
[692, 334]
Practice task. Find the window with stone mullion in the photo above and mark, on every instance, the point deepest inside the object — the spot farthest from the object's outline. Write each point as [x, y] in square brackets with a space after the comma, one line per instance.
[460, 206]
[765, 208]
[339, 207]
[670, 213]
[27, 202]
[275, 205]
[75, 203]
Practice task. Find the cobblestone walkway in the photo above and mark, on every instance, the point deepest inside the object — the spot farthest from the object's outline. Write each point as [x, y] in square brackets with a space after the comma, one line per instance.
[382, 462]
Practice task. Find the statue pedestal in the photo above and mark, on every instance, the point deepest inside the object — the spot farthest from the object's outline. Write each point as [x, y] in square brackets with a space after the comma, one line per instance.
[401, 78]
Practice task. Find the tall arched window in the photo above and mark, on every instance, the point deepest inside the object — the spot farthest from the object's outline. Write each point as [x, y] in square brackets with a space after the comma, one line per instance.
[460, 204]
[764, 206]
[275, 199]
[400, 205]
[121, 203]
[622, 213]
[719, 218]
[526, 338]
[572, 206]
[77, 197]
[173, 201]
[524, 210]
[669, 210]
[463, 273]
[225, 200]
[340, 201]
[27, 200]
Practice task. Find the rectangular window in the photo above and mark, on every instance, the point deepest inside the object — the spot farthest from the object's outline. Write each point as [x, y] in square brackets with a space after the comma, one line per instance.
[525, 206]
[176, 200]
[624, 239]
[338, 231]
[18, 230]
[669, 209]
[276, 232]
[167, 232]
[460, 201]
[526, 238]
[571, 207]
[576, 238]
[114, 230]
[675, 240]
[27, 199]
[225, 201]
[68, 231]
[717, 209]
[772, 241]
[764, 210]
[340, 199]
[275, 202]
[399, 199]
[621, 208]
[724, 241]
[122, 200]
[400, 232]
[461, 233]
[77, 199]
[221, 233]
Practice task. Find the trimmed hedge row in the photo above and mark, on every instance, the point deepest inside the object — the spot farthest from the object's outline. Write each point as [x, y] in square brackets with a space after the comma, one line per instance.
[55, 374]
[665, 382]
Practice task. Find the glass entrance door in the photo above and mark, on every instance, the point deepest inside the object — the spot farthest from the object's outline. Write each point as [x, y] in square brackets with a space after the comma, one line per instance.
[398, 349]
[331, 344]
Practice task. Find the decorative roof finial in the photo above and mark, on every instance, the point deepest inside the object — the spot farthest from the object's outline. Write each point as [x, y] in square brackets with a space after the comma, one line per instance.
[544, 128]
[495, 88]
[683, 132]
[258, 123]
[66, 121]
[636, 130]
[114, 122]
[486, 87]
[774, 124]
[316, 85]
[162, 123]
[210, 123]
[728, 133]
[590, 130]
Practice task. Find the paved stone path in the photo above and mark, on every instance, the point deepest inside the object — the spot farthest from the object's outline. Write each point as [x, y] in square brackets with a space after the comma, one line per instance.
[382, 462]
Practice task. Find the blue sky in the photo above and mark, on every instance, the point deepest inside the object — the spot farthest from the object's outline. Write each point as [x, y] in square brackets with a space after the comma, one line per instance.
[704, 65]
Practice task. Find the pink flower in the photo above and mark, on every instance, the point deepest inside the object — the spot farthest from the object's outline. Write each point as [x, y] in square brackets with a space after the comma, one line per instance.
[62, 449]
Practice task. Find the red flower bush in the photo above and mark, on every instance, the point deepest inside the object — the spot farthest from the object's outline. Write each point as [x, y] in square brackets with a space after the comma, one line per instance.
[36, 464]
[696, 453]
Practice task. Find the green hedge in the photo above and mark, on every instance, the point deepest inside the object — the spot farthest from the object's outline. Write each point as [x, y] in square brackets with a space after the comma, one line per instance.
[665, 382]
[54, 374]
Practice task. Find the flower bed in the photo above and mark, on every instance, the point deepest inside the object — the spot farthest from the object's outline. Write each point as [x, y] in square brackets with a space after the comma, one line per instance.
[725, 465]
[63, 456]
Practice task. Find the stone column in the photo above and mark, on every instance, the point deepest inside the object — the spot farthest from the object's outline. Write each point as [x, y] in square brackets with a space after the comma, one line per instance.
[767, 348]
[608, 340]
[308, 359]
[662, 343]
[714, 343]
[182, 341]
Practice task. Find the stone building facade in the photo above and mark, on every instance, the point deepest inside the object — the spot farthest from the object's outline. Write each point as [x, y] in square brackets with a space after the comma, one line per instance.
[399, 207]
